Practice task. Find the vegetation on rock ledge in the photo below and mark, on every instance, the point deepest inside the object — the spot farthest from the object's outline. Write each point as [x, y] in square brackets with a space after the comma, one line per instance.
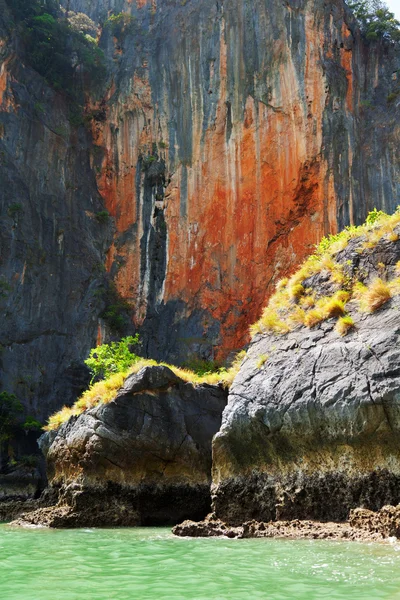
[301, 300]
[119, 365]
[376, 20]
[57, 48]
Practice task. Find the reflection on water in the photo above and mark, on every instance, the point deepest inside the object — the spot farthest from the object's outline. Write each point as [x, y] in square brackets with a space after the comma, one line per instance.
[130, 564]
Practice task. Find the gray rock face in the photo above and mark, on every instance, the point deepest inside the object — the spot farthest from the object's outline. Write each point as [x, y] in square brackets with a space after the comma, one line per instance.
[314, 431]
[20, 484]
[51, 244]
[144, 458]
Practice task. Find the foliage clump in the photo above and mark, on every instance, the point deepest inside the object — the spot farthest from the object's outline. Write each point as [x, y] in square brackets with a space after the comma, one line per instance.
[10, 408]
[117, 310]
[121, 25]
[344, 325]
[376, 20]
[116, 357]
[298, 301]
[55, 47]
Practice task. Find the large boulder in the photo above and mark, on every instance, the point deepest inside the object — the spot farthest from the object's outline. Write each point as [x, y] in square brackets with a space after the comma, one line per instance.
[144, 458]
[312, 425]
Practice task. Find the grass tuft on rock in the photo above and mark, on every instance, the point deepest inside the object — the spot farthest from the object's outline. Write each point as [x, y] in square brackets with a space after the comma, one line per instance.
[344, 325]
[375, 296]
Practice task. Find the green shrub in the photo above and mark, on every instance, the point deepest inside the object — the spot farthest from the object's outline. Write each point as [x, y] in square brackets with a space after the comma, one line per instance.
[10, 407]
[121, 25]
[116, 357]
[14, 210]
[30, 461]
[102, 216]
[375, 20]
[31, 424]
[204, 367]
[56, 50]
[374, 215]
[117, 310]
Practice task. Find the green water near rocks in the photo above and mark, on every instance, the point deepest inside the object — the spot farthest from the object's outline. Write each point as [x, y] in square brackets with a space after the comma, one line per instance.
[127, 564]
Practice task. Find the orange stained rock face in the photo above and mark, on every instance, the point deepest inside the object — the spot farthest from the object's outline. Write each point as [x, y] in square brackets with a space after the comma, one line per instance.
[248, 207]
[6, 102]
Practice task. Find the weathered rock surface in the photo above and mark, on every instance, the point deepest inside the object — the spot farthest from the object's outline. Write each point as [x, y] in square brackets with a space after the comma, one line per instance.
[144, 458]
[23, 483]
[385, 522]
[12, 510]
[312, 431]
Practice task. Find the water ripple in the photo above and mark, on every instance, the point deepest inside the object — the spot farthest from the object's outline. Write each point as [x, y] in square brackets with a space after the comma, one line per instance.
[151, 564]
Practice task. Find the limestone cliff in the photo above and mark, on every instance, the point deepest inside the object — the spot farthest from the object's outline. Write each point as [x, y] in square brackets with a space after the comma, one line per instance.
[232, 136]
[237, 134]
[52, 246]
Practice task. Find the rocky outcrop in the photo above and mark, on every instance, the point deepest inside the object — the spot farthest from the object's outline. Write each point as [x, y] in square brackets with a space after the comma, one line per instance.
[311, 429]
[385, 522]
[144, 458]
[23, 483]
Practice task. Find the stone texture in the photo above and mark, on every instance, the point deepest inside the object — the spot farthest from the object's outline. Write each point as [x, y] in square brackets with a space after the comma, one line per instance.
[21, 484]
[144, 458]
[385, 521]
[314, 431]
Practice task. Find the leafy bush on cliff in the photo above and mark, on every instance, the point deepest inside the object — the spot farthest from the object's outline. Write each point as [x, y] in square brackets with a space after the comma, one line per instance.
[299, 300]
[10, 407]
[117, 311]
[376, 20]
[121, 25]
[53, 47]
[116, 357]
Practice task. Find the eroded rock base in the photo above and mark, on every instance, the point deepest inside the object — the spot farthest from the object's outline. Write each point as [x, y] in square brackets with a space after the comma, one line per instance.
[363, 525]
[115, 506]
[317, 497]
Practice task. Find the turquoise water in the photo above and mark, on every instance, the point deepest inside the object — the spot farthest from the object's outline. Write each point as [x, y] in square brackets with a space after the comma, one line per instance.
[135, 564]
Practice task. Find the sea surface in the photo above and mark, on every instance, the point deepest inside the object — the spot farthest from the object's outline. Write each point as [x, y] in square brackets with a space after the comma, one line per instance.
[135, 564]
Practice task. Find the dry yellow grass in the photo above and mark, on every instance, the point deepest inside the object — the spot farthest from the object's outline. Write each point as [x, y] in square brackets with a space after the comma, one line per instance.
[295, 291]
[105, 391]
[313, 317]
[334, 306]
[377, 293]
[262, 359]
[307, 301]
[294, 303]
[344, 325]
[395, 286]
